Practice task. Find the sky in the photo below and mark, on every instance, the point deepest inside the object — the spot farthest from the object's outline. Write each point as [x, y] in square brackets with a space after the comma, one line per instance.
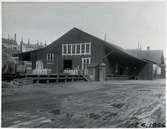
[125, 23]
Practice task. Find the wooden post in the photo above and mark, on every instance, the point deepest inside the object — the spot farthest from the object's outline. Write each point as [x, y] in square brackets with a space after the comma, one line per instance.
[57, 64]
[37, 81]
[72, 78]
[65, 79]
[47, 80]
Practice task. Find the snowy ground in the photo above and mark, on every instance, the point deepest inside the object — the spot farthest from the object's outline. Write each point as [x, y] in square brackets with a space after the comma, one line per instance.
[85, 104]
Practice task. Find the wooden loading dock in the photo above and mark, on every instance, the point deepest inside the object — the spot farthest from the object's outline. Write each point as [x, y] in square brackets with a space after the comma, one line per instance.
[57, 78]
[50, 78]
[76, 50]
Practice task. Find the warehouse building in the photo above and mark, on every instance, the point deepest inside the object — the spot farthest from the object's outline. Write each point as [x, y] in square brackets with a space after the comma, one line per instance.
[79, 52]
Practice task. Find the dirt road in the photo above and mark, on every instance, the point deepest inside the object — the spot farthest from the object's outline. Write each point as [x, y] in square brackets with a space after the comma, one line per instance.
[86, 104]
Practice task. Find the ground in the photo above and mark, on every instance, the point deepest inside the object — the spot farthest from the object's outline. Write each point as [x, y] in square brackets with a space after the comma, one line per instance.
[85, 104]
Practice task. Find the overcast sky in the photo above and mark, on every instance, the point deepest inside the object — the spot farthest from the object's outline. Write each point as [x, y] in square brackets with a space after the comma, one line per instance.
[125, 23]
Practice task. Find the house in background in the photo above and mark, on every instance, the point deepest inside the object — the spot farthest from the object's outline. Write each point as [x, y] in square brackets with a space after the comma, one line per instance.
[10, 44]
[24, 47]
[9, 47]
[76, 50]
[153, 57]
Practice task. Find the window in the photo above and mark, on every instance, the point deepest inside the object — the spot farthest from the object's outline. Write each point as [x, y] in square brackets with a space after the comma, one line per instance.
[50, 58]
[73, 49]
[76, 49]
[87, 48]
[69, 48]
[64, 49]
[82, 48]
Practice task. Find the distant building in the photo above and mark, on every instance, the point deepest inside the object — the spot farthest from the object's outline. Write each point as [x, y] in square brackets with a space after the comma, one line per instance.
[76, 50]
[155, 57]
[24, 47]
[11, 45]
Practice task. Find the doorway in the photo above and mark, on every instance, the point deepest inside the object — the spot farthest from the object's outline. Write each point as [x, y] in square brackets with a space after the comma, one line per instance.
[67, 64]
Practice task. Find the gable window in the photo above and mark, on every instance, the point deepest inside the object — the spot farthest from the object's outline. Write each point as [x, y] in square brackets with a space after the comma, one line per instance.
[64, 49]
[69, 48]
[73, 49]
[76, 49]
[88, 48]
[82, 48]
[50, 58]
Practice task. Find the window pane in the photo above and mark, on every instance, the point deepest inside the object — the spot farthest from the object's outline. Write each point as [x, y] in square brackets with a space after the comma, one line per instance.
[78, 48]
[49, 57]
[83, 48]
[69, 49]
[89, 60]
[65, 49]
[52, 58]
[87, 48]
[73, 49]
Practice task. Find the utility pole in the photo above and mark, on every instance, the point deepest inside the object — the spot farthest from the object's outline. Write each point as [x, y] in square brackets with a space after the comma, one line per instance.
[21, 45]
[105, 38]
[15, 37]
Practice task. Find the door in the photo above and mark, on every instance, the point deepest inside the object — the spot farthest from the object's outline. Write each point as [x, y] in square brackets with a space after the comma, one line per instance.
[67, 64]
[85, 62]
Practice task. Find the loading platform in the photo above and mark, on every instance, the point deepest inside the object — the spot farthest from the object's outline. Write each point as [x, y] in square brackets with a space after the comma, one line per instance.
[57, 78]
[50, 78]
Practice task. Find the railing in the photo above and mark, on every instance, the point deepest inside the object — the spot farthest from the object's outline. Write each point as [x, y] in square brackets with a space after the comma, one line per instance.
[82, 73]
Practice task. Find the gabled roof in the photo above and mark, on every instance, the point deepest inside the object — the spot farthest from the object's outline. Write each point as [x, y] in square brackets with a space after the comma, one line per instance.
[110, 45]
[155, 56]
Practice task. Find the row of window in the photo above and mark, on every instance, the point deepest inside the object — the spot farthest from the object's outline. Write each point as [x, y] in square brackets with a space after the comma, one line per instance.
[76, 49]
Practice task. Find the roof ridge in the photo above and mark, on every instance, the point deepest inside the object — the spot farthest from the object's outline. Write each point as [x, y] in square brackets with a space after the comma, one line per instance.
[116, 46]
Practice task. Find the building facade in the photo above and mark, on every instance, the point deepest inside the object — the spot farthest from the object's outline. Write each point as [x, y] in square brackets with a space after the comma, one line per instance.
[76, 50]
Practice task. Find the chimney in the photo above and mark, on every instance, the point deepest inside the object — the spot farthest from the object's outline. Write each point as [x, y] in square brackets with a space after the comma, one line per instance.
[148, 48]
[21, 46]
[15, 37]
